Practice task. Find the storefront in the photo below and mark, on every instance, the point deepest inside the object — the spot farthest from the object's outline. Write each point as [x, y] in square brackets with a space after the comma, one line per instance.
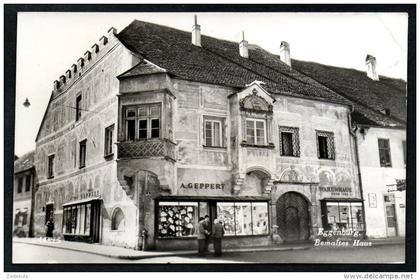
[81, 220]
[177, 218]
[342, 215]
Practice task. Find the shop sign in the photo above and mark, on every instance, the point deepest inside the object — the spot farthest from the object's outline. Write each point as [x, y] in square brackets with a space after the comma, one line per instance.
[84, 195]
[334, 190]
[202, 186]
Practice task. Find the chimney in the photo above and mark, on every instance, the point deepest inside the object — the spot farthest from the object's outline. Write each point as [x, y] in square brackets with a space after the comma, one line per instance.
[371, 67]
[243, 47]
[285, 53]
[196, 33]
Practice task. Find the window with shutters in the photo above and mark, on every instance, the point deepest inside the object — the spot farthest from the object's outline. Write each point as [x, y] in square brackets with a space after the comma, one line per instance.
[384, 152]
[289, 141]
[325, 144]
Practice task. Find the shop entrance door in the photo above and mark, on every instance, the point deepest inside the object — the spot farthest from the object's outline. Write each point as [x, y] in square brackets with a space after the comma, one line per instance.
[293, 217]
[95, 220]
[391, 219]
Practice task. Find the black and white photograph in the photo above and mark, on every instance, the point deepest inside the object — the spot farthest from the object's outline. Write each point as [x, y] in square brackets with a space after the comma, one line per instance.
[203, 137]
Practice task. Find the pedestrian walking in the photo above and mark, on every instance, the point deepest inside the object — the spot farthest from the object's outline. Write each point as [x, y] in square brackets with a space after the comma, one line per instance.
[207, 227]
[201, 236]
[50, 228]
[218, 233]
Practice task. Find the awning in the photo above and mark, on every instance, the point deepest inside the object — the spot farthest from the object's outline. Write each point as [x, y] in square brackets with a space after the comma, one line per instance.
[212, 198]
[82, 201]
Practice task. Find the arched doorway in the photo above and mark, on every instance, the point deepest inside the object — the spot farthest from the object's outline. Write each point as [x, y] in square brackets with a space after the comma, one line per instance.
[293, 217]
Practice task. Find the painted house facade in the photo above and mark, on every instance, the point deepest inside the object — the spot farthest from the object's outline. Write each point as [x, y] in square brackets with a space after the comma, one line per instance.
[379, 123]
[156, 127]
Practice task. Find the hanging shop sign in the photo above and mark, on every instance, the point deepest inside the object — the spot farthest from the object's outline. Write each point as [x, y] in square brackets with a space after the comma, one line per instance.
[334, 190]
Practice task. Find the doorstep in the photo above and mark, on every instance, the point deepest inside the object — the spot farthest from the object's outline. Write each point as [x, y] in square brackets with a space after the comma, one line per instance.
[124, 253]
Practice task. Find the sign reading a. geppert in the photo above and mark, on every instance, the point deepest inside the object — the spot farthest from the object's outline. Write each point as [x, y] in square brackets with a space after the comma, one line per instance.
[202, 186]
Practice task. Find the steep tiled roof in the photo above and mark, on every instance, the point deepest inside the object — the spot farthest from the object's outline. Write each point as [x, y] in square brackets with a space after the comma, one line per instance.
[387, 93]
[24, 162]
[218, 61]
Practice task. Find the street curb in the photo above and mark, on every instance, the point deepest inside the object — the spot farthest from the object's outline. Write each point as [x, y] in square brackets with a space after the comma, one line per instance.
[170, 254]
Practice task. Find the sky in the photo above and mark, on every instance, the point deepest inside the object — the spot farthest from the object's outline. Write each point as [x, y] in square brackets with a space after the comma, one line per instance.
[49, 43]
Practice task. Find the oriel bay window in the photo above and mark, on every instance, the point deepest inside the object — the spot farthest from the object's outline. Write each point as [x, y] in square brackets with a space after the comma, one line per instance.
[142, 122]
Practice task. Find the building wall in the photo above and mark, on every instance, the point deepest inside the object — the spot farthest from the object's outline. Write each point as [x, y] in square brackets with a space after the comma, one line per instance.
[376, 178]
[60, 134]
[22, 203]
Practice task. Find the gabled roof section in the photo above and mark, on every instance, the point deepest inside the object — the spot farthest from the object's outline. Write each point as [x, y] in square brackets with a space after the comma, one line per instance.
[144, 67]
[365, 93]
[24, 163]
[218, 62]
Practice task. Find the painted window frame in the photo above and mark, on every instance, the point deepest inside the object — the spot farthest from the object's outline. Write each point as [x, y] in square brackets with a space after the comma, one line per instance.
[137, 118]
[212, 120]
[330, 141]
[295, 140]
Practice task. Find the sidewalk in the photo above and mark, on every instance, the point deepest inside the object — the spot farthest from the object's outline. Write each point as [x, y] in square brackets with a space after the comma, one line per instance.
[124, 253]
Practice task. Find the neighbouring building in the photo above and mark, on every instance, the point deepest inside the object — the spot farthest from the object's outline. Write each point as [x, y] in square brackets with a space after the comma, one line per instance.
[23, 187]
[156, 127]
[381, 139]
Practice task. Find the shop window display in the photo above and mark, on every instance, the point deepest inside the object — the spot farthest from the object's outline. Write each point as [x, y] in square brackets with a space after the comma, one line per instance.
[177, 219]
[76, 219]
[344, 216]
[243, 218]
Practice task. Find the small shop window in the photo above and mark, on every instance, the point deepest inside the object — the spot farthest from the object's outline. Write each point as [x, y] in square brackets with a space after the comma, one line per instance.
[243, 218]
[342, 216]
[76, 219]
[177, 219]
[118, 220]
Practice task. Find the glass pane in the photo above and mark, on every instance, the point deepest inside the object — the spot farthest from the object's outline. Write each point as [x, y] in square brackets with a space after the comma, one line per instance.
[226, 213]
[78, 226]
[82, 219]
[130, 113]
[333, 215]
[217, 134]
[344, 221]
[142, 129]
[259, 125]
[356, 216]
[130, 130]
[87, 228]
[177, 220]
[322, 146]
[155, 128]
[204, 209]
[260, 218]
[155, 111]
[287, 146]
[142, 111]
[243, 218]
[208, 133]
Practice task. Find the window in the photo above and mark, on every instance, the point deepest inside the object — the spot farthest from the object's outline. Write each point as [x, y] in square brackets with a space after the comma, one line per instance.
[51, 166]
[28, 183]
[76, 219]
[78, 107]
[325, 142]
[213, 135]
[243, 218]
[255, 132]
[289, 141]
[20, 185]
[404, 146]
[118, 220]
[142, 122]
[109, 131]
[384, 153]
[177, 219]
[82, 154]
[342, 216]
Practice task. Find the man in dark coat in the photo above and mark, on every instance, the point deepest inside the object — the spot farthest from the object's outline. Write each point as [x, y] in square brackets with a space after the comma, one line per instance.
[50, 228]
[218, 232]
[202, 233]
[207, 227]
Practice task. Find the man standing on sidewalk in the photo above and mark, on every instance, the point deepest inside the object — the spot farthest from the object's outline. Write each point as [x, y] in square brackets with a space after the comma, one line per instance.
[218, 232]
[201, 236]
[207, 227]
